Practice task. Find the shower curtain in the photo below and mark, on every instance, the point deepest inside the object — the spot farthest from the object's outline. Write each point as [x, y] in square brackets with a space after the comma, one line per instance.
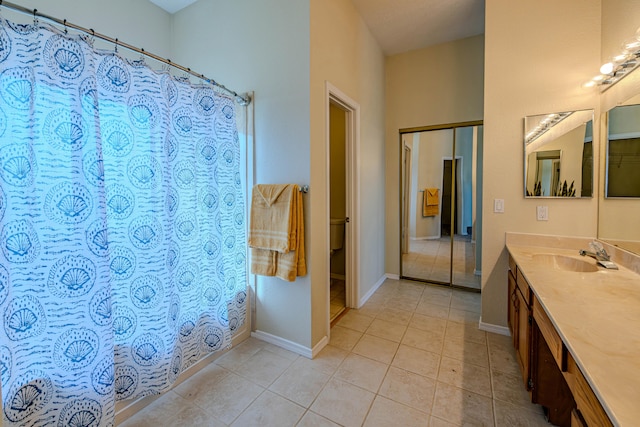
[122, 235]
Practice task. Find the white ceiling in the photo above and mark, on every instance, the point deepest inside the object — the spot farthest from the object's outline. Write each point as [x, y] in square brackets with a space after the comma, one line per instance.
[404, 25]
[172, 6]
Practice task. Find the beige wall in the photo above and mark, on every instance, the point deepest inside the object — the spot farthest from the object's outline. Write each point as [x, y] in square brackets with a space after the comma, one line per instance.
[345, 54]
[535, 63]
[436, 85]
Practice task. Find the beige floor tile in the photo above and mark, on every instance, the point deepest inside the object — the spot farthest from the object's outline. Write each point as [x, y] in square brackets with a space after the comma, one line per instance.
[270, 410]
[508, 415]
[437, 422]
[200, 383]
[344, 338]
[468, 301]
[228, 398]
[395, 315]
[372, 309]
[463, 316]
[403, 302]
[194, 417]
[445, 321]
[385, 412]
[417, 361]
[356, 321]
[160, 411]
[327, 361]
[424, 340]
[433, 310]
[238, 355]
[300, 384]
[469, 352]
[362, 372]
[376, 348]
[462, 407]
[311, 419]
[409, 389]
[428, 323]
[387, 330]
[465, 375]
[503, 359]
[465, 332]
[510, 388]
[443, 299]
[343, 403]
[264, 367]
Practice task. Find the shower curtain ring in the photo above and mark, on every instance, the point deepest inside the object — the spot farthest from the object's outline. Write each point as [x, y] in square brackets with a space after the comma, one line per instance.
[116, 46]
[35, 17]
[66, 31]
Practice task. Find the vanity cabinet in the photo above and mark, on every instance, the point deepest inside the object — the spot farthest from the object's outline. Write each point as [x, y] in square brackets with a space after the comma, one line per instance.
[520, 319]
[550, 373]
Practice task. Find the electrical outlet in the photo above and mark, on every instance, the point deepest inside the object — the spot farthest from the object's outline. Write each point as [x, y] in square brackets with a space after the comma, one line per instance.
[542, 213]
[498, 205]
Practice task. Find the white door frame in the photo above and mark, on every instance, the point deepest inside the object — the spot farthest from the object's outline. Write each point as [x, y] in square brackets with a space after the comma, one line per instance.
[352, 228]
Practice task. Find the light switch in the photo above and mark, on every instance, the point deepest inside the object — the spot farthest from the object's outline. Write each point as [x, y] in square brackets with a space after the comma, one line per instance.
[542, 213]
[498, 205]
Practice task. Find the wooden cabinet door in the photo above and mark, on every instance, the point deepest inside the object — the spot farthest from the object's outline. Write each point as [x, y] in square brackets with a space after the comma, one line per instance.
[524, 338]
[512, 317]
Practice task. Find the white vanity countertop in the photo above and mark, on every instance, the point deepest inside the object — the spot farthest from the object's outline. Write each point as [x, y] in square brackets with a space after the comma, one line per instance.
[597, 315]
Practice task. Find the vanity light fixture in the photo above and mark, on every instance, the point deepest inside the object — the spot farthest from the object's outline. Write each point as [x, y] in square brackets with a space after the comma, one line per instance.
[619, 66]
[545, 124]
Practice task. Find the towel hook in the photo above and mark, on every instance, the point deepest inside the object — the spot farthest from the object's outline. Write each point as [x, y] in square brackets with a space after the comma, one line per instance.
[304, 188]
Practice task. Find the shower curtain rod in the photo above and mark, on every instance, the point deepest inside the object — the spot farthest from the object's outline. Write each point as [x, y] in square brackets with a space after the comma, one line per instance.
[240, 99]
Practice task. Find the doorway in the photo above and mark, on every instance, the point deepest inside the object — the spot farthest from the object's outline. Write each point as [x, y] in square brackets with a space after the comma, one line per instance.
[440, 187]
[343, 115]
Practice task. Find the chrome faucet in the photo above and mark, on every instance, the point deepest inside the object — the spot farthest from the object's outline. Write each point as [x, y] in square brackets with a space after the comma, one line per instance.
[599, 253]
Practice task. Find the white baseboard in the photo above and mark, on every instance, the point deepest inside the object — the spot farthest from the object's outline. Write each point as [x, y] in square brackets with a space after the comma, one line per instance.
[337, 276]
[289, 345]
[392, 276]
[373, 290]
[496, 329]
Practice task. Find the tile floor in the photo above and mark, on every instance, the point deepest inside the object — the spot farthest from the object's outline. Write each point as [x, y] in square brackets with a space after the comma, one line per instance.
[337, 298]
[429, 260]
[412, 356]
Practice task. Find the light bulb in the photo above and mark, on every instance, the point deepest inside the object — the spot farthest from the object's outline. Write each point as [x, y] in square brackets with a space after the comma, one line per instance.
[606, 68]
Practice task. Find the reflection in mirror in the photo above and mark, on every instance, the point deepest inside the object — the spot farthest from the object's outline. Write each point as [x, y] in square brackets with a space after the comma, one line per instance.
[440, 217]
[619, 209]
[559, 154]
[623, 152]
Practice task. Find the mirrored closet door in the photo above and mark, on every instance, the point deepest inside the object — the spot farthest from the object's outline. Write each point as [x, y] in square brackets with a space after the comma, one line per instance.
[441, 194]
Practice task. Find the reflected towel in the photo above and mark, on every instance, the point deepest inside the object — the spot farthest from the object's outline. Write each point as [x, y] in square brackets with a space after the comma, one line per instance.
[430, 202]
[276, 233]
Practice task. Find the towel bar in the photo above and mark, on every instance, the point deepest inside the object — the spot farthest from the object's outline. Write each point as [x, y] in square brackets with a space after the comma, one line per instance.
[304, 188]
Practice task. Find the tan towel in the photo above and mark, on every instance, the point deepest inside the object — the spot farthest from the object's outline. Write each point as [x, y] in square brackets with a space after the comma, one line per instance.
[276, 233]
[430, 202]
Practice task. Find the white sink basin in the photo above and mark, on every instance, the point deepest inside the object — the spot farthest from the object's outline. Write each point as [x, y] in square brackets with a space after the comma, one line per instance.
[566, 263]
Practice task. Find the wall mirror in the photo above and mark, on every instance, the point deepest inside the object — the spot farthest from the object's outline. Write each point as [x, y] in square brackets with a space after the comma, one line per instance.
[619, 208]
[558, 154]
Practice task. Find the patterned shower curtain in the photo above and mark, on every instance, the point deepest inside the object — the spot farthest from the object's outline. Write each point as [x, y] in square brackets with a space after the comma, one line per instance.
[122, 236]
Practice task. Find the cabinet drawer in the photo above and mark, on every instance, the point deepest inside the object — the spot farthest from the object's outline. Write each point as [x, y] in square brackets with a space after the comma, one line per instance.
[587, 403]
[524, 286]
[549, 333]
